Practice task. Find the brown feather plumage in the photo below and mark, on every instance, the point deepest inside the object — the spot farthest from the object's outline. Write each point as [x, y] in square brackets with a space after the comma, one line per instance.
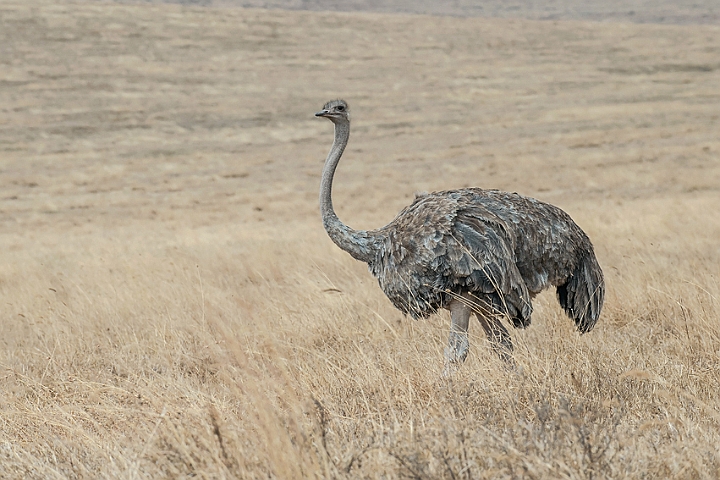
[502, 247]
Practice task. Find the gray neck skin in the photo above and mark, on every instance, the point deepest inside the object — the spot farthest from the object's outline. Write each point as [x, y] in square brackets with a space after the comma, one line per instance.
[358, 243]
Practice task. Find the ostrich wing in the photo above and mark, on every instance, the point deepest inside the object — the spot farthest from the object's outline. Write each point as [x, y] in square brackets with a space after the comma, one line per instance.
[484, 264]
[444, 244]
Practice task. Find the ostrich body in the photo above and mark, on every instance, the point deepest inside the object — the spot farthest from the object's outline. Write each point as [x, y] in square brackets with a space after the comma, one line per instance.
[470, 251]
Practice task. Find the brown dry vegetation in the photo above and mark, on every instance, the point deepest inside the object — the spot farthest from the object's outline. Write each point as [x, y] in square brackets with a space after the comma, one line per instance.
[173, 308]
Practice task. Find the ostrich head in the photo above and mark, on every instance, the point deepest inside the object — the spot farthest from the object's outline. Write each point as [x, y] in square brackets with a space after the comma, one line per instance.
[336, 111]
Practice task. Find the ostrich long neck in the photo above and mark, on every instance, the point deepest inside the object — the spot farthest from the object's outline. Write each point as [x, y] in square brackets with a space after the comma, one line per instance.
[357, 243]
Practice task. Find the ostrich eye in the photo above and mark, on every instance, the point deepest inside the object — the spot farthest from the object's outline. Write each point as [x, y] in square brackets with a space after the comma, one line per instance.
[340, 108]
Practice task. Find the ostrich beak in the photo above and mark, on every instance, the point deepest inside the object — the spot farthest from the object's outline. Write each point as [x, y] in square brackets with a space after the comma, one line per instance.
[322, 114]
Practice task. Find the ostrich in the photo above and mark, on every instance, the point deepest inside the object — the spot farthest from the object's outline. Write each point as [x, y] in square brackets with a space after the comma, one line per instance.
[470, 251]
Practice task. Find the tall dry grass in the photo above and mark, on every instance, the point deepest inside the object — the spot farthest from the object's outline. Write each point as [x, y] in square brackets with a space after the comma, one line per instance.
[196, 360]
[173, 309]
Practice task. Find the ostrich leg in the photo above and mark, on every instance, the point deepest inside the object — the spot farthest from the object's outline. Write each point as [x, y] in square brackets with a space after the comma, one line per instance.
[458, 344]
[498, 336]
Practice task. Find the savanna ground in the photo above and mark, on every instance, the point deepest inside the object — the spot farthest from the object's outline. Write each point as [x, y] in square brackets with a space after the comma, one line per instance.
[172, 307]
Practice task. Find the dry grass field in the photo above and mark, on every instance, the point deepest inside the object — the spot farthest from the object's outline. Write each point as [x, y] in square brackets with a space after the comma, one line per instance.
[172, 308]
